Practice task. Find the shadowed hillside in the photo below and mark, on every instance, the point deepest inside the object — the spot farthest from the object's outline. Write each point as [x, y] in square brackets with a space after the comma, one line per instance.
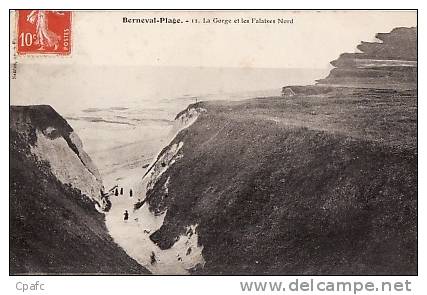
[321, 181]
[54, 226]
[275, 191]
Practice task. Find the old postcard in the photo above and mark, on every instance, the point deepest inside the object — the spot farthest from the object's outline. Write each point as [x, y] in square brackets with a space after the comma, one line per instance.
[241, 142]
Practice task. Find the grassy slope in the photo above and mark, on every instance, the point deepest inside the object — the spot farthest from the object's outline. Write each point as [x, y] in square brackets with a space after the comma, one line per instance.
[320, 184]
[53, 228]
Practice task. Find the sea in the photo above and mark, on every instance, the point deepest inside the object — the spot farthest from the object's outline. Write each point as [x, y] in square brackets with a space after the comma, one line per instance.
[124, 114]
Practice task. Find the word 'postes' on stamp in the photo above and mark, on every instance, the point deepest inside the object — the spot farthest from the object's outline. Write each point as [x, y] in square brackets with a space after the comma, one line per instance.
[44, 32]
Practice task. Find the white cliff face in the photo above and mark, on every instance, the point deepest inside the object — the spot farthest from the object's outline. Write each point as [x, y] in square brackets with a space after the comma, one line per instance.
[167, 159]
[163, 161]
[186, 119]
[84, 157]
[188, 251]
[69, 168]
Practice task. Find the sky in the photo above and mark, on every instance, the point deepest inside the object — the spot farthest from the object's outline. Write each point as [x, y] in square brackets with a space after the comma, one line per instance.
[117, 64]
[312, 41]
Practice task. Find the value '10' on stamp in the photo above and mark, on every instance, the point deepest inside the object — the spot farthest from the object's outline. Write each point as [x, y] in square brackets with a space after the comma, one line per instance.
[44, 32]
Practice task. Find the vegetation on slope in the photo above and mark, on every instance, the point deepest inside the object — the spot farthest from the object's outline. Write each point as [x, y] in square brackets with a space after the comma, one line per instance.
[54, 229]
[316, 184]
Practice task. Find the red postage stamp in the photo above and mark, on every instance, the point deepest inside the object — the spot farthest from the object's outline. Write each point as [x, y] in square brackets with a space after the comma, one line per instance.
[44, 32]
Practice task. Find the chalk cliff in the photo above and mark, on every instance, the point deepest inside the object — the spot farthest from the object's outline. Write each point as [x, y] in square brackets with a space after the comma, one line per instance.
[391, 62]
[56, 224]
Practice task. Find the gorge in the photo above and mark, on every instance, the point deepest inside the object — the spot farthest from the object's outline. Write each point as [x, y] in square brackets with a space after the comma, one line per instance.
[319, 181]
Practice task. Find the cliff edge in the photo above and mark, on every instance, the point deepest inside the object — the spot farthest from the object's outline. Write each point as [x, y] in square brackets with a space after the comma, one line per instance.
[55, 201]
[389, 63]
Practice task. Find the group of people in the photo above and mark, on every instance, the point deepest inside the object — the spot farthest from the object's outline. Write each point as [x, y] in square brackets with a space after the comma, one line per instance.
[116, 191]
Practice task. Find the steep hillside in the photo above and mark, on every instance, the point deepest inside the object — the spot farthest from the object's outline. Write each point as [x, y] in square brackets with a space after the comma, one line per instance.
[55, 225]
[283, 187]
[322, 180]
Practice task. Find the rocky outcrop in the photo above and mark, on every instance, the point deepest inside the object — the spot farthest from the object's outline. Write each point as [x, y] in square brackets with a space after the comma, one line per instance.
[390, 63]
[52, 140]
[56, 224]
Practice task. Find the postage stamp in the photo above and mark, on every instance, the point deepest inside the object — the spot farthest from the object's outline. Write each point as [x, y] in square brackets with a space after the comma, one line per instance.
[44, 32]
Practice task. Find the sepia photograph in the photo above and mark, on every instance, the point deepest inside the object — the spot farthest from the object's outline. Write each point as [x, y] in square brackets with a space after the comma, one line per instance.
[213, 142]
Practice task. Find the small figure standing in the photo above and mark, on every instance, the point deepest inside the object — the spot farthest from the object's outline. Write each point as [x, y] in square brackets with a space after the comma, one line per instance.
[130, 193]
[153, 258]
[116, 193]
[126, 215]
[121, 191]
